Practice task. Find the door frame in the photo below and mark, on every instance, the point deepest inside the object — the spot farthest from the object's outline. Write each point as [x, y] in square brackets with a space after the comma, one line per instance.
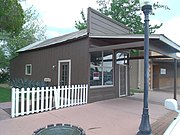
[120, 65]
[59, 70]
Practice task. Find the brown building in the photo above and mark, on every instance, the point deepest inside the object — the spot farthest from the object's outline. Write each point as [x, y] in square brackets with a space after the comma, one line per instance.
[98, 56]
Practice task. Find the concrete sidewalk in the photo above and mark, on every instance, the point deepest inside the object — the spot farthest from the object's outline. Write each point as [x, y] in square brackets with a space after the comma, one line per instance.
[111, 117]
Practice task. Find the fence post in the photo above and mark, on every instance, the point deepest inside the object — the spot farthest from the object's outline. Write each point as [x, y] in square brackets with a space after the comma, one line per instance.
[72, 96]
[87, 93]
[75, 97]
[62, 96]
[81, 95]
[56, 94]
[33, 97]
[84, 93]
[65, 98]
[27, 101]
[69, 94]
[37, 100]
[50, 100]
[78, 94]
[46, 103]
[42, 99]
[22, 101]
[13, 102]
[17, 102]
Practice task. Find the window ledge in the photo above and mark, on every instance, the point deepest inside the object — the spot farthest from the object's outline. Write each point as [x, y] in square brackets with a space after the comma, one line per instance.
[102, 86]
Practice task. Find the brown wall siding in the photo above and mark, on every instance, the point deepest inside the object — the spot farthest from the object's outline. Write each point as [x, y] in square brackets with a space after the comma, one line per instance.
[103, 93]
[134, 74]
[167, 80]
[43, 60]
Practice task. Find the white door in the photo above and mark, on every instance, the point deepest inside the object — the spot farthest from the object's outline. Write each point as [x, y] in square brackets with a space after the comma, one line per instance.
[123, 81]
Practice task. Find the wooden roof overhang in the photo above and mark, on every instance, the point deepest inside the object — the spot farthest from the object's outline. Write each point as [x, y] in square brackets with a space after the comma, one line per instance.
[157, 43]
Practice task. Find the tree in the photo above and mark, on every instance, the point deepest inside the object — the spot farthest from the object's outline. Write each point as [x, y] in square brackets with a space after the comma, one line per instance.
[11, 16]
[81, 25]
[33, 30]
[18, 28]
[125, 12]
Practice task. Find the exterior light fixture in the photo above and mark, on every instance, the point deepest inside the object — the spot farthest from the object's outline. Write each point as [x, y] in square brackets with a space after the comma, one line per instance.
[145, 127]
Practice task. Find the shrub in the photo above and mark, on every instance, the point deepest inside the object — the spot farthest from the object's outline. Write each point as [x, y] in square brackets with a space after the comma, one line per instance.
[4, 77]
[25, 83]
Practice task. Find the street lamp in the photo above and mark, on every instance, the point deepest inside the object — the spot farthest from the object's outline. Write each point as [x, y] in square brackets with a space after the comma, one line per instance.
[145, 127]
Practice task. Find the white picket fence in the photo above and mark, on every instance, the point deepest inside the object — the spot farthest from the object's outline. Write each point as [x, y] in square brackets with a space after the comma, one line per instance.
[35, 100]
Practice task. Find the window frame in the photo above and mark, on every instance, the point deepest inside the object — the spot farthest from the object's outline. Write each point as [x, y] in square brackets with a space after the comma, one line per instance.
[26, 69]
[102, 73]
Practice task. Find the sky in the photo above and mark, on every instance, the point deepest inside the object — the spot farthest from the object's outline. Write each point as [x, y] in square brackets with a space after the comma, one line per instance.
[59, 16]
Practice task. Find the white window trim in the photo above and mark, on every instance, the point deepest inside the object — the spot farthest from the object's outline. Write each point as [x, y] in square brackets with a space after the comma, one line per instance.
[26, 73]
[59, 70]
[102, 85]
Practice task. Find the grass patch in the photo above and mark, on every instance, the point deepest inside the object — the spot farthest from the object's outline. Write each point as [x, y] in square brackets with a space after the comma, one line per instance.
[132, 91]
[5, 94]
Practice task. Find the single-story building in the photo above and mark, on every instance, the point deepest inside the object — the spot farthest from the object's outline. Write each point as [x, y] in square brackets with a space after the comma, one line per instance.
[98, 56]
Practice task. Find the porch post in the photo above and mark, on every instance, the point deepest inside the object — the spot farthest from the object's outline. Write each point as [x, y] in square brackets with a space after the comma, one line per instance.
[175, 78]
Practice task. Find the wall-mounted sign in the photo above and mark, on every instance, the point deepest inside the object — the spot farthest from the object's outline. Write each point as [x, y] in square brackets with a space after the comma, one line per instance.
[95, 75]
[47, 79]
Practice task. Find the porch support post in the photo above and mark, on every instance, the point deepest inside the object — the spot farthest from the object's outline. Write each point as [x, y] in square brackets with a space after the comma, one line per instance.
[175, 78]
[128, 74]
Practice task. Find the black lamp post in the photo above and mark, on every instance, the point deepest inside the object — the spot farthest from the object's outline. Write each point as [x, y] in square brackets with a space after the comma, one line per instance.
[145, 127]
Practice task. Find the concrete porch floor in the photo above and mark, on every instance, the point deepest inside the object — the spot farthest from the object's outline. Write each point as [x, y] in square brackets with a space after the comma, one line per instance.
[119, 116]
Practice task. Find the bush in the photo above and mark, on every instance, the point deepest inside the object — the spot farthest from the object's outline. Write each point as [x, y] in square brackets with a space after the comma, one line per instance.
[25, 83]
[4, 77]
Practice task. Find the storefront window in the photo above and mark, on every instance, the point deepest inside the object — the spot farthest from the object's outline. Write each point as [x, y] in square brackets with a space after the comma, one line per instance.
[101, 73]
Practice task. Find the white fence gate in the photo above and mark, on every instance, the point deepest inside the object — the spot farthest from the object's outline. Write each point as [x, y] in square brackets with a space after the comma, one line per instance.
[35, 100]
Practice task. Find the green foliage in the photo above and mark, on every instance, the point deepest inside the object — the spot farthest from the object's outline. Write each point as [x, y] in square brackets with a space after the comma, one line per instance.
[25, 83]
[126, 12]
[18, 29]
[81, 25]
[4, 77]
[5, 94]
[32, 31]
[11, 16]
[3, 60]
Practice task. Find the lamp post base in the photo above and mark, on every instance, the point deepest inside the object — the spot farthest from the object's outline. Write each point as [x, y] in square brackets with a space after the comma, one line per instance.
[145, 127]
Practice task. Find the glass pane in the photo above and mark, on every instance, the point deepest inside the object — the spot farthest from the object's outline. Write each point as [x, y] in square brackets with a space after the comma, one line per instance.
[96, 58]
[121, 58]
[28, 69]
[96, 76]
[107, 76]
[107, 58]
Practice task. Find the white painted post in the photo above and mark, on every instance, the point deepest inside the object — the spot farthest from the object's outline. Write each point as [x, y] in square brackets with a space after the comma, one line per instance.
[78, 94]
[65, 100]
[72, 95]
[56, 94]
[62, 96]
[27, 101]
[69, 95]
[47, 95]
[81, 96]
[17, 102]
[86, 93]
[13, 102]
[33, 97]
[75, 97]
[42, 99]
[22, 101]
[37, 99]
[50, 100]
